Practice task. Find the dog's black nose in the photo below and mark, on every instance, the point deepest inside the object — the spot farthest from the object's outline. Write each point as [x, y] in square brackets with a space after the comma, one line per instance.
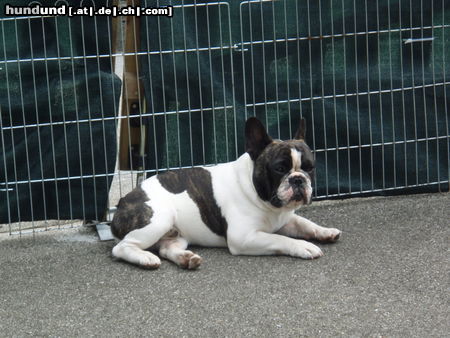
[297, 180]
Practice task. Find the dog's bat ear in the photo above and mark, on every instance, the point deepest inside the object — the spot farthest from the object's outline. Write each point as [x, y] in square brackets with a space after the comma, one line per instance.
[301, 131]
[256, 137]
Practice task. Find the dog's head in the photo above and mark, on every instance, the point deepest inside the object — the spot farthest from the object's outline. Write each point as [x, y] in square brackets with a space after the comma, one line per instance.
[283, 170]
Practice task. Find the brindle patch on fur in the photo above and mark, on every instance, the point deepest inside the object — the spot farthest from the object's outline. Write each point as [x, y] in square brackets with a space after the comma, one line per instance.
[132, 213]
[198, 184]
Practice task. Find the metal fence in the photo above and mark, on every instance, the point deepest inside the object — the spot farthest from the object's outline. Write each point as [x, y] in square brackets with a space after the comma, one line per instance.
[90, 105]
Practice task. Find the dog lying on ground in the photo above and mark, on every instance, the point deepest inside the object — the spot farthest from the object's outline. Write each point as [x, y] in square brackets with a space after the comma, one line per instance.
[247, 205]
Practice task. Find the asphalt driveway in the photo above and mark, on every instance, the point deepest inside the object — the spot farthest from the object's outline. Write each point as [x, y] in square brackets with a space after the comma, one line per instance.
[387, 276]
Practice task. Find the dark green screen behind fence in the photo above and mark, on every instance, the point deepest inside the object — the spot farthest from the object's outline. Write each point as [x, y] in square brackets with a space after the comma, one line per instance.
[370, 77]
[376, 104]
[56, 150]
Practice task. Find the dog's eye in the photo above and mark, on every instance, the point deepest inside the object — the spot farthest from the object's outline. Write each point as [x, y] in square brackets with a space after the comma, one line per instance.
[280, 168]
[308, 168]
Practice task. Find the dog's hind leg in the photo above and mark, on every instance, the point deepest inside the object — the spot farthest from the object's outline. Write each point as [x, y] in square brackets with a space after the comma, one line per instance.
[132, 247]
[174, 249]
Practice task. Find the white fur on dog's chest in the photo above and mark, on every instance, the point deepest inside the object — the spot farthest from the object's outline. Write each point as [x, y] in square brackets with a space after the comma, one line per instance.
[237, 197]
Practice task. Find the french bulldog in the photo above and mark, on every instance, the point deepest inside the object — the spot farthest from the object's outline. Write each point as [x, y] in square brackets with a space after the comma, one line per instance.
[247, 205]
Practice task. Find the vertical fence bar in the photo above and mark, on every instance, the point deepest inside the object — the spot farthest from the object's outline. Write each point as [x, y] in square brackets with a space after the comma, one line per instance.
[77, 119]
[357, 100]
[142, 128]
[128, 96]
[333, 71]
[91, 141]
[12, 140]
[277, 95]
[369, 104]
[163, 86]
[151, 95]
[211, 83]
[6, 189]
[405, 145]
[299, 64]
[116, 119]
[63, 109]
[433, 51]
[38, 129]
[225, 113]
[427, 154]
[27, 156]
[47, 81]
[288, 81]
[197, 46]
[252, 60]
[188, 88]
[263, 51]
[445, 94]
[344, 46]
[380, 102]
[413, 85]
[233, 88]
[323, 101]
[311, 87]
[102, 110]
[394, 136]
[176, 91]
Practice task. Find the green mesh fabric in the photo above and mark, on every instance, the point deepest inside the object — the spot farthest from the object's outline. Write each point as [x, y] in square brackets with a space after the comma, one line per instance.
[376, 105]
[48, 85]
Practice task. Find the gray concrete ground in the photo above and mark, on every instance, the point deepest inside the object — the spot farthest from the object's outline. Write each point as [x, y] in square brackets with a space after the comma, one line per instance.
[387, 276]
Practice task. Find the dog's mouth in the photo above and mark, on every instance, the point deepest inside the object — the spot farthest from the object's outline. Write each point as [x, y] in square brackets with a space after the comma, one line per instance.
[292, 196]
[301, 196]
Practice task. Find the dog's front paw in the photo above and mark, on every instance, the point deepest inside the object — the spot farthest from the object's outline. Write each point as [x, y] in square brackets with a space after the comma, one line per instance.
[306, 250]
[329, 235]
